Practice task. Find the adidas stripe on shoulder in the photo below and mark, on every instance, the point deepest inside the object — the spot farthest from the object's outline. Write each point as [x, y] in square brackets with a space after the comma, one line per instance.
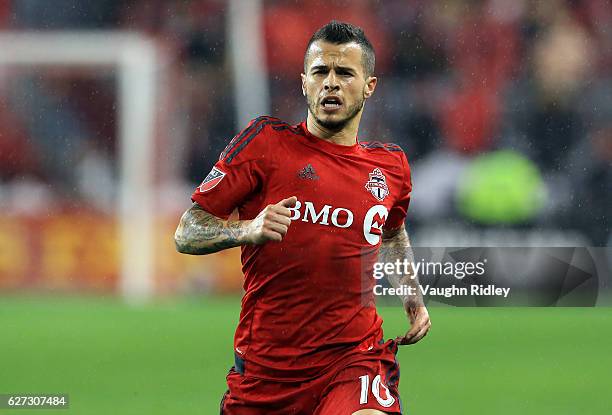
[242, 139]
[378, 144]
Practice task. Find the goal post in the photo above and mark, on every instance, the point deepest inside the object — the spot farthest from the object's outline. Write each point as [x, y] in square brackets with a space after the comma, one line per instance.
[136, 60]
[245, 32]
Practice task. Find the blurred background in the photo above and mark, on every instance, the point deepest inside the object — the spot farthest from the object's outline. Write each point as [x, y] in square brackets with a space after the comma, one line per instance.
[111, 112]
[503, 108]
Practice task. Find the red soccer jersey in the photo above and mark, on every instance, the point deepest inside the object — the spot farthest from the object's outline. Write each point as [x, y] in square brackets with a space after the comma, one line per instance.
[308, 300]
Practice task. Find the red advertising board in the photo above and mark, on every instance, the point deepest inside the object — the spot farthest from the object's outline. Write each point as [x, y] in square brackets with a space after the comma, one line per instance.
[80, 251]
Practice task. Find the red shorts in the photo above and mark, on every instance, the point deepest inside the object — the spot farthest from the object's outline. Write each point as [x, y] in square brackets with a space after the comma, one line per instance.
[366, 379]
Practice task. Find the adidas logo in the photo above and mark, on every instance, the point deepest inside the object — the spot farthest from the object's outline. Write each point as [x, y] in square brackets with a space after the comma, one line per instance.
[308, 173]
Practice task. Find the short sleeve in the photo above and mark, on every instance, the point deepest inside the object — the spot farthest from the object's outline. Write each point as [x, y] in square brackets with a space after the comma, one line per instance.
[238, 174]
[398, 212]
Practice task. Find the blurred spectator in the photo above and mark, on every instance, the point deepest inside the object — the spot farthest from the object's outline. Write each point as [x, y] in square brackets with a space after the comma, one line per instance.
[55, 126]
[18, 157]
[562, 60]
[590, 172]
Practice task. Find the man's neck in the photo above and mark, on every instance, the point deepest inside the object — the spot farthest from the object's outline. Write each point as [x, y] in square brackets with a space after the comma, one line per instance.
[345, 137]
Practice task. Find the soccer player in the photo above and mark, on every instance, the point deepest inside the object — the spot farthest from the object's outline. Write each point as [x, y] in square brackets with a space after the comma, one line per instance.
[314, 202]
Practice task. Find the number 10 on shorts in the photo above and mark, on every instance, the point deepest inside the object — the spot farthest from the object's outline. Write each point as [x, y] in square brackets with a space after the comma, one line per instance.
[376, 385]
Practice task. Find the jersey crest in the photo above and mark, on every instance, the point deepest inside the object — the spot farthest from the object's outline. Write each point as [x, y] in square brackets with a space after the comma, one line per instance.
[214, 178]
[377, 185]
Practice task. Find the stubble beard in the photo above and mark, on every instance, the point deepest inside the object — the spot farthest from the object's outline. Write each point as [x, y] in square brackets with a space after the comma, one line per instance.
[335, 125]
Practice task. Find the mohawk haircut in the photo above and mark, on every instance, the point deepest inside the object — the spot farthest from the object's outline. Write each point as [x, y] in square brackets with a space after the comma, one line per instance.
[339, 33]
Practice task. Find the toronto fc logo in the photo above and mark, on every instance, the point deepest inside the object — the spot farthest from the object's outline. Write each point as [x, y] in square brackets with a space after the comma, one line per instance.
[377, 185]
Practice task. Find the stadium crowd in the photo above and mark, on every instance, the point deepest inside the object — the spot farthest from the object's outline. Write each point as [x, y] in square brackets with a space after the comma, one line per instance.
[496, 103]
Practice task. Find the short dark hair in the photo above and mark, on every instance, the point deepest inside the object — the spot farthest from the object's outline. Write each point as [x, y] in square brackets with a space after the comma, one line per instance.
[340, 32]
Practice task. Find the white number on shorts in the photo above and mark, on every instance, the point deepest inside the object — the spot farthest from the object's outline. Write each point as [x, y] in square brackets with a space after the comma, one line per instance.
[376, 384]
[365, 385]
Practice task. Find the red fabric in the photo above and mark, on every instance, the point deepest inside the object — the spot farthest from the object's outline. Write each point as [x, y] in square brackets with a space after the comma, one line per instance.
[308, 300]
[337, 391]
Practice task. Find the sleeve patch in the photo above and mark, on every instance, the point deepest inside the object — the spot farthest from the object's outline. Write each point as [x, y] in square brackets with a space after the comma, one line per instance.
[214, 178]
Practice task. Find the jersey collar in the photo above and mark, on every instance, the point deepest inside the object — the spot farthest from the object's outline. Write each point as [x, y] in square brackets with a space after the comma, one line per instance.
[328, 145]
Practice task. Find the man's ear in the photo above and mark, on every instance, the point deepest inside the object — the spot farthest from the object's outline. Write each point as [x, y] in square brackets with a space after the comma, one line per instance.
[303, 84]
[370, 86]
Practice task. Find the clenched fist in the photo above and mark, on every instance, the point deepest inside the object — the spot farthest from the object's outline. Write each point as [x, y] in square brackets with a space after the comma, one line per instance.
[272, 223]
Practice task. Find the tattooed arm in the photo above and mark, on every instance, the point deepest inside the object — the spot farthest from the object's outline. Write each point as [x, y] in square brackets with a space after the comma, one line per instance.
[396, 246]
[200, 233]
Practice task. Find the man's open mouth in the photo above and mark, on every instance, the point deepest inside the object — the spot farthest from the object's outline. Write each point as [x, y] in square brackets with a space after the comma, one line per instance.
[331, 103]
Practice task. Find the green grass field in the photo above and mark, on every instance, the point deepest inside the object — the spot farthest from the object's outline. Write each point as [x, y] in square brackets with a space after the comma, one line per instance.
[172, 357]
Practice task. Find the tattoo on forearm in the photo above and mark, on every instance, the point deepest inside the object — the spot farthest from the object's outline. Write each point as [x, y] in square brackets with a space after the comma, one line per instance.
[200, 232]
[397, 247]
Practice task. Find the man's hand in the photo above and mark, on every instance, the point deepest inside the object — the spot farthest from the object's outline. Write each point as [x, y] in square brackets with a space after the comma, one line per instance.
[272, 223]
[419, 325]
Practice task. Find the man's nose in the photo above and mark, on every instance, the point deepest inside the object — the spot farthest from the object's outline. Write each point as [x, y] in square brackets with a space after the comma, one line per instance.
[331, 82]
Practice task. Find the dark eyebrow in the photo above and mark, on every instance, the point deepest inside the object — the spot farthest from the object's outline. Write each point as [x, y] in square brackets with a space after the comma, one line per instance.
[315, 68]
[338, 68]
[345, 69]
